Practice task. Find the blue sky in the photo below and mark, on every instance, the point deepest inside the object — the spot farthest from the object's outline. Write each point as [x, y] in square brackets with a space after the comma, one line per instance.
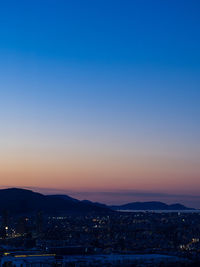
[100, 80]
[156, 33]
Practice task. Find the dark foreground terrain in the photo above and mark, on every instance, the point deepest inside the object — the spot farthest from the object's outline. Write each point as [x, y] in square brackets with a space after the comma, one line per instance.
[57, 230]
[113, 239]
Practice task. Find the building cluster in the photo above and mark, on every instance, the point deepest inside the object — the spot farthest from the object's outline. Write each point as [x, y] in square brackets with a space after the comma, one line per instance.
[72, 240]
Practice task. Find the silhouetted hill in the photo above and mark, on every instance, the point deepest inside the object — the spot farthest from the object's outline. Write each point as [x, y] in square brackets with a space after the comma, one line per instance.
[153, 205]
[22, 201]
[64, 197]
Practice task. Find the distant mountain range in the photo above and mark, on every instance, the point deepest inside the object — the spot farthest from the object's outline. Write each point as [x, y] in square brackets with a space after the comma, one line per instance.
[22, 201]
[153, 205]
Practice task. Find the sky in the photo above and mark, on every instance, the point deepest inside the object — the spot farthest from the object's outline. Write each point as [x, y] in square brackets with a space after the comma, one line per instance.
[101, 97]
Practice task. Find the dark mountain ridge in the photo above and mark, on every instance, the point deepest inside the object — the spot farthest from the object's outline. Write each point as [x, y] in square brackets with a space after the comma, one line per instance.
[23, 201]
[152, 205]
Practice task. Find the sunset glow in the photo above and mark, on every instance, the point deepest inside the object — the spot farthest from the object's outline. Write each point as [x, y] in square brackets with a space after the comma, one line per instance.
[112, 107]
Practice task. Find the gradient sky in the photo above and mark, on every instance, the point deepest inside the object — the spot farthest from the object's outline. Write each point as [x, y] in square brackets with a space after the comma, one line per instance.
[100, 95]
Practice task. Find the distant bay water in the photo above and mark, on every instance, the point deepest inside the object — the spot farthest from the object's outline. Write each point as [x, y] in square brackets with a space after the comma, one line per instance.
[162, 211]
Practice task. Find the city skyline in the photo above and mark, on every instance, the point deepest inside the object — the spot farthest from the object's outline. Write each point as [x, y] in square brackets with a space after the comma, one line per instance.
[101, 97]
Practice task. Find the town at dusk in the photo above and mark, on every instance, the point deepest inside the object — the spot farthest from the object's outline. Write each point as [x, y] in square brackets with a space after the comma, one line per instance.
[99, 135]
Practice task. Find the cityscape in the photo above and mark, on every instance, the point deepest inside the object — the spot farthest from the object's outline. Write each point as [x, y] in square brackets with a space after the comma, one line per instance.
[96, 236]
